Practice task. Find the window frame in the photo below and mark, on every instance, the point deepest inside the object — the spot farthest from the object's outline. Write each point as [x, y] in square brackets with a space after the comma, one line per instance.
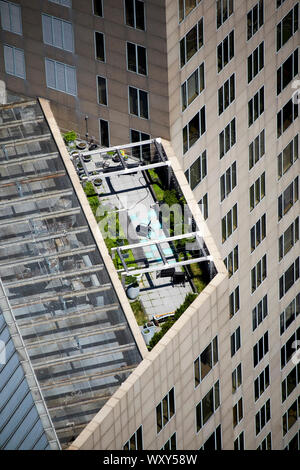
[229, 56]
[14, 49]
[19, 32]
[138, 103]
[108, 129]
[104, 47]
[136, 47]
[62, 21]
[134, 15]
[258, 19]
[66, 66]
[102, 8]
[184, 39]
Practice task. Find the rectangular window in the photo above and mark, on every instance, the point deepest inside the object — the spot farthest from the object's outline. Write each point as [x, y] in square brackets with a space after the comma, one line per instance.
[58, 33]
[256, 106]
[239, 443]
[287, 71]
[135, 14]
[141, 151]
[224, 11]
[232, 261]
[227, 138]
[289, 238]
[257, 191]
[258, 233]
[229, 223]
[291, 381]
[288, 157]
[237, 412]
[228, 181]
[206, 361]
[257, 149]
[294, 443]
[289, 314]
[255, 19]
[104, 133]
[14, 61]
[266, 443]
[234, 302]
[261, 383]
[191, 43]
[203, 204]
[194, 130]
[171, 443]
[207, 406]
[138, 102]
[185, 8]
[98, 7]
[260, 349]
[165, 410]
[263, 416]
[288, 198]
[136, 58]
[288, 349]
[291, 416]
[288, 279]
[258, 273]
[61, 77]
[100, 46]
[11, 18]
[256, 62]
[64, 3]
[286, 116]
[136, 441]
[236, 378]
[259, 312]
[287, 26]
[235, 341]
[102, 90]
[226, 94]
[214, 442]
[192, 87]
[197, 171]
[225, 51]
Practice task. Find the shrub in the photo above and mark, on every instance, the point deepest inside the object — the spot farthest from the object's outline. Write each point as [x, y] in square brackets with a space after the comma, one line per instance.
[89, 189]
[70, 136]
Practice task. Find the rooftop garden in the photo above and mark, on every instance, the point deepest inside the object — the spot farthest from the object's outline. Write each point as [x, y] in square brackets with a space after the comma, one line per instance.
[163, 193]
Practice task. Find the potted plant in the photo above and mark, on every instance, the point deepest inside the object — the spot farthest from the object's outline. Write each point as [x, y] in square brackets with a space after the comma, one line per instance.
[81, 145]
[133, 289]
[87, 158]
[97, 181]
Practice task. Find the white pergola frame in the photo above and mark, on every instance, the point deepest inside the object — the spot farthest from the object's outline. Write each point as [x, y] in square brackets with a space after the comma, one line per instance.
[125, 171]
[166, 264]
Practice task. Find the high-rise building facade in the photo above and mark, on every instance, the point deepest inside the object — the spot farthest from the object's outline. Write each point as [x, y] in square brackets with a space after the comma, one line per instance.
[216, 79]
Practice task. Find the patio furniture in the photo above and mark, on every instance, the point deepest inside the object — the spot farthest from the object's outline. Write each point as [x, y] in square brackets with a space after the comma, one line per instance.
[144, 230]
[178, 278]
[169, 272]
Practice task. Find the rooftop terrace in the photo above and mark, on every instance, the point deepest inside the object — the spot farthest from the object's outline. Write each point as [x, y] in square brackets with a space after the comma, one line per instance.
[149, 230]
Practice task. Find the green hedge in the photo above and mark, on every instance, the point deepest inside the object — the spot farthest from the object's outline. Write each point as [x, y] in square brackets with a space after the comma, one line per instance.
[189, 299]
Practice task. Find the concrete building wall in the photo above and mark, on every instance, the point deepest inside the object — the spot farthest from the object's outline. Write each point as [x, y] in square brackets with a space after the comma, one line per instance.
[70, 111]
